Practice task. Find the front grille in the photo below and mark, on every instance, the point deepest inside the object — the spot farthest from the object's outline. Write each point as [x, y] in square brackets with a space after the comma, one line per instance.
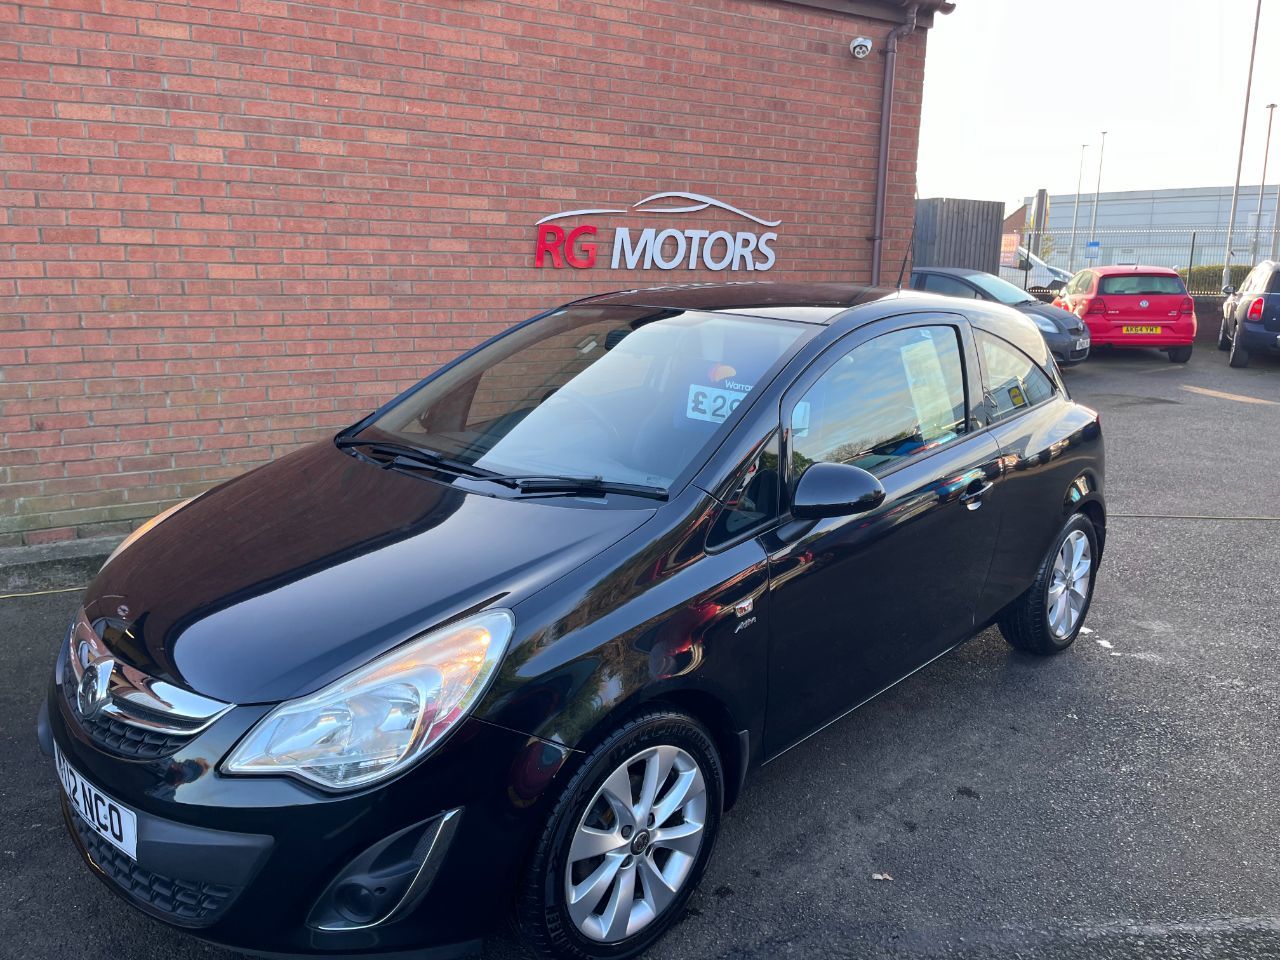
[120, 738]
[123, 710]
[187, 902]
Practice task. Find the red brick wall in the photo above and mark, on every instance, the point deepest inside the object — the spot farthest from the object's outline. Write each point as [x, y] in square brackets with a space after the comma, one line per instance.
[230, 226]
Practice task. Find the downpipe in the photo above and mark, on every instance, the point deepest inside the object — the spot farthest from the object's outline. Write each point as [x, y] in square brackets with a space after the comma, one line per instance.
[904, 29]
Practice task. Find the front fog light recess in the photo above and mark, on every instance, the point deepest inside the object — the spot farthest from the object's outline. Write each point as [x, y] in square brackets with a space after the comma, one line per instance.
[380, 719]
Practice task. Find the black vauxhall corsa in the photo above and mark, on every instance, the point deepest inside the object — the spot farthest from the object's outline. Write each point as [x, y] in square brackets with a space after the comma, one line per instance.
[512, 643]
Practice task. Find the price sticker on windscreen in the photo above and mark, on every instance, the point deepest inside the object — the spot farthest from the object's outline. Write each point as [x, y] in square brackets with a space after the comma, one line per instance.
[713, 404]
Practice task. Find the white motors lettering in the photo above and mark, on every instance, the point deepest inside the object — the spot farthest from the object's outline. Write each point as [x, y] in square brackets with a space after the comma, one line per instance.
[671, 249]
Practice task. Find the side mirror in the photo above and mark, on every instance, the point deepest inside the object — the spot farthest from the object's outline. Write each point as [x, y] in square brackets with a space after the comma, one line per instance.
[835, 490]
[1228, 289]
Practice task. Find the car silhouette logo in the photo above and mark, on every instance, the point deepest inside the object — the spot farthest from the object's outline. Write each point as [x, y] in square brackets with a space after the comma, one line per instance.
[693, 203]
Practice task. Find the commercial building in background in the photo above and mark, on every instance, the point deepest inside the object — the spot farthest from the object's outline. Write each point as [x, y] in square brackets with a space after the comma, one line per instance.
[1207, 208]
[228, 229]
[1169, 228]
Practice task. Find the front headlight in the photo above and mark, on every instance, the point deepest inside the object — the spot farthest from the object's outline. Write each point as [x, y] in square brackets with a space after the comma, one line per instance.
[1045, 324]
[382, 718]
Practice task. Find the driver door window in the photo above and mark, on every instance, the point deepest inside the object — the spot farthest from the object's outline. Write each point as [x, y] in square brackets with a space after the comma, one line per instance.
[886, 401]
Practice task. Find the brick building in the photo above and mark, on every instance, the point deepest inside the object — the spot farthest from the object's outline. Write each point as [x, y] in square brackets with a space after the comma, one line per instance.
[228, 227]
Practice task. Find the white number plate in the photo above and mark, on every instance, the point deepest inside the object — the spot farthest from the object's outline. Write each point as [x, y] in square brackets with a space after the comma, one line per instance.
[117, 824]
[1082, 343]
[712, 403]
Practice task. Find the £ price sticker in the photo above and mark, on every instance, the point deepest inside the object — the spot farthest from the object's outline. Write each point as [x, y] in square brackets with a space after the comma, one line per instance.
[711, 403]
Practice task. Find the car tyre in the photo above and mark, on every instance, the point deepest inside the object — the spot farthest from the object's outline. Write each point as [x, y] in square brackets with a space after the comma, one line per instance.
[1239, 356]
[1180, 354]
[1224, 338]
[634, 911]
[1037, 622]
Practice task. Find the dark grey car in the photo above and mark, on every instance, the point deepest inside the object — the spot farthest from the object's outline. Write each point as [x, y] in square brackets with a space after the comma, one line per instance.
[1065, 334]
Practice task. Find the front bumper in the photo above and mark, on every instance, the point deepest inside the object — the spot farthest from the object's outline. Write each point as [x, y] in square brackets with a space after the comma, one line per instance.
[1068, 348]
[248, 862]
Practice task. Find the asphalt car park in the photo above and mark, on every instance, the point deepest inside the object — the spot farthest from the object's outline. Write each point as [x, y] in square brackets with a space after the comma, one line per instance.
[1116, 800]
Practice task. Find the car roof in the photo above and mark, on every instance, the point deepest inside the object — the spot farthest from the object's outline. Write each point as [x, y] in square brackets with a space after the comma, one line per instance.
[1117, 268]
[816, 303]
[826, 303]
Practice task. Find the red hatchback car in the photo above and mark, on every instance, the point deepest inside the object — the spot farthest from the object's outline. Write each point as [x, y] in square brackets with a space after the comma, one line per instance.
[1132, 306]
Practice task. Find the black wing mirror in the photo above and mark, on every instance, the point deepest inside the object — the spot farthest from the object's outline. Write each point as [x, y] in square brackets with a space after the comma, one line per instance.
[1228, 289]
[835, 490]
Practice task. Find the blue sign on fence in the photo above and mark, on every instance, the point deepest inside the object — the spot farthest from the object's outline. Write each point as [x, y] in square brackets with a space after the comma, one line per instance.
[1093, 250]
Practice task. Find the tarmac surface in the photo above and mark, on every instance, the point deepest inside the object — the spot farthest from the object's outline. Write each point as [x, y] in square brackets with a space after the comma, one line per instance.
[1121, 800]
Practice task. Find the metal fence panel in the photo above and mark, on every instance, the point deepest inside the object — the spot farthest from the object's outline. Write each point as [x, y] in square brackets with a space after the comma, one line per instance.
[1196, 253]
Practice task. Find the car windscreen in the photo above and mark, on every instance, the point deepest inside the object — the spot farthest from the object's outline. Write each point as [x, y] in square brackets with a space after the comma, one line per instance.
[999, 289]
[1141, 283]
[628, 394]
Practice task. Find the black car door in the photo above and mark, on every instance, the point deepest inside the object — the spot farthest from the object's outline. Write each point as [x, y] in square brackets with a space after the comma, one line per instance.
[859, 602]
[1048, 445]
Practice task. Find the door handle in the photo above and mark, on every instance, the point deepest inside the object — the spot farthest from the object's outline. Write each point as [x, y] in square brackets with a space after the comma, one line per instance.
[972, 498]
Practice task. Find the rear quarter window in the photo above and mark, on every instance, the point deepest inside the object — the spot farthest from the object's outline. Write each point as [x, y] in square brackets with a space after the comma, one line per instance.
[1141, 283]
[1013, 382]
[1274, 285]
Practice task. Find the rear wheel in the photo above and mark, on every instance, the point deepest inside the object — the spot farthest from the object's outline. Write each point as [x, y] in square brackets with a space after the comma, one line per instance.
[1224, 338]
[626, 843]
[1239, 356]
[1048, 617]
[1180, 354]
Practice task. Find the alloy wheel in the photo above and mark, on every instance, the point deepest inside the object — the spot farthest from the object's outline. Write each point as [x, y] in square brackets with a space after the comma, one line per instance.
[636, 844]
[1069, 584]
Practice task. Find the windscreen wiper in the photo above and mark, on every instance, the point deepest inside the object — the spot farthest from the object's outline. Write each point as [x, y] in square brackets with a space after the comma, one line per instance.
[411, 457]
[595, 486]
[407, 455]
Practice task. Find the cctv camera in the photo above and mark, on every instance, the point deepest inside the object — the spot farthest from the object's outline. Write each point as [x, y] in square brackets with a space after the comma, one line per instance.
[860, 47]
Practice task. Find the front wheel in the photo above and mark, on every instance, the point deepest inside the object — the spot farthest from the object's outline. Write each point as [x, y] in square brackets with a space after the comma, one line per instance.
[626, 843]
[1048, 617]
[1180, 354]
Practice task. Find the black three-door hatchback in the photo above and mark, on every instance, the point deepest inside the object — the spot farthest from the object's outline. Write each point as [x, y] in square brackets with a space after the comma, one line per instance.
[513, 642]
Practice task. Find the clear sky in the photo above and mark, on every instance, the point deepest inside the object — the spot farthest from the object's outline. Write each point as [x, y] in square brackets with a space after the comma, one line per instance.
[1014, 87]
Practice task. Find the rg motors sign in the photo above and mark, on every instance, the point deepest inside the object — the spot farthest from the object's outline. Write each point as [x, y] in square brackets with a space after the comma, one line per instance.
[582, 239]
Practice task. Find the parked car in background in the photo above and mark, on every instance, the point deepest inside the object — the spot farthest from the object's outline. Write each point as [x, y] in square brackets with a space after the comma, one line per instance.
[1133, 306]
[1251, 315]
[1063, 332]
[512, 642]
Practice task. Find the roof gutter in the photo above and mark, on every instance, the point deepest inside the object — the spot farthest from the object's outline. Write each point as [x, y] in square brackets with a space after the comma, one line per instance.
[904, 29]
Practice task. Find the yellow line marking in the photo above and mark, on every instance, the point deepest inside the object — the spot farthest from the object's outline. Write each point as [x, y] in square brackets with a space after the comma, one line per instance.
[1204, 391]
[39, 593]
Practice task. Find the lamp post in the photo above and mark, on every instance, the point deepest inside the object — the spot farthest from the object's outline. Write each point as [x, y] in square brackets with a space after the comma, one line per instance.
[1075, 216]
[1097, 190]
[1262, 186]
[1244, 127]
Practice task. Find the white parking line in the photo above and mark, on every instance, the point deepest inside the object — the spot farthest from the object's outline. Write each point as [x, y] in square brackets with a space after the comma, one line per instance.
[1205, 391]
